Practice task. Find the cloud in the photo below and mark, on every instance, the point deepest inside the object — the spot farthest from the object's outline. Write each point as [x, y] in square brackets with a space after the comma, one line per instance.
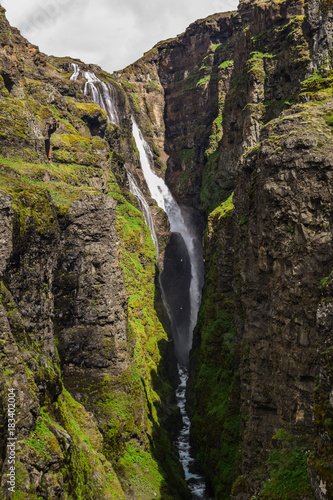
[111, 33]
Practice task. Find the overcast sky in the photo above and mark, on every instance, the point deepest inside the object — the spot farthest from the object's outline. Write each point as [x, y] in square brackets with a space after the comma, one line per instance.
[111, 33]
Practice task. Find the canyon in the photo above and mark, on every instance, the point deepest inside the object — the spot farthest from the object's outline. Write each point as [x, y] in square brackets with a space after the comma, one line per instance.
[166, 327]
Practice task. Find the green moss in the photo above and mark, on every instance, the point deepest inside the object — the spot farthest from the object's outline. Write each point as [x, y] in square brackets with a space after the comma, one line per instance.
[288, 477]
[225, 209]
[326, 281]
[214, 389]
[35, 199]
[144, 383]
[256, 64]
[226, 64]
[203, 81]
[73, 148]
[320, 80]
[91, 471]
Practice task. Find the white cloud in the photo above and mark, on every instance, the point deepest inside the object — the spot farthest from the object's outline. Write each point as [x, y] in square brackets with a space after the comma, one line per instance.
[111, 33]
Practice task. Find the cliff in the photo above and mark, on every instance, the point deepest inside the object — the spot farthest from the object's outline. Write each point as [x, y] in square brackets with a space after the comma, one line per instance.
[238, 112]
[81, 342]
[247, 141]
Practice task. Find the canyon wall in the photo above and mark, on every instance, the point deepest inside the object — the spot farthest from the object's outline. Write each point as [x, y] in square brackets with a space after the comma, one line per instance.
[81, 342]
[247, 141]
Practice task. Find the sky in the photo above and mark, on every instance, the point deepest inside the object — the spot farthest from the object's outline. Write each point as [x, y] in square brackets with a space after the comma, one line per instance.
[110, 33]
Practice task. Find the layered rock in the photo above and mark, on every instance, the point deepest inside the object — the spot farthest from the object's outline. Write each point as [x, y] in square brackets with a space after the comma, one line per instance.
[82, 344]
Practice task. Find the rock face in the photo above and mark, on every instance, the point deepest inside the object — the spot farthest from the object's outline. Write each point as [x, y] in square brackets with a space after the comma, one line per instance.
[82, 346]
[247, 109]
[238, 112]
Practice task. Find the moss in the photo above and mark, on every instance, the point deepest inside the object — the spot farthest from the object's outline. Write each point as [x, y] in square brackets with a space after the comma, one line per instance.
[226, 64]
[256, 64]
[142, 384]
[320, 80]
[288, 476]
[215, 387]
[203, 81]
[326, 281]
[73, 148]
[225, 209]
[36, 201]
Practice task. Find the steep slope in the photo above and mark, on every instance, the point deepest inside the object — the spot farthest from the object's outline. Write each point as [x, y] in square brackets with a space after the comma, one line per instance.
[82, 345]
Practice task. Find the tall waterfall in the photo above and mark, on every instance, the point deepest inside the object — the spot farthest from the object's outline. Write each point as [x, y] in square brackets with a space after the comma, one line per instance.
[102, 94]
[163, 197]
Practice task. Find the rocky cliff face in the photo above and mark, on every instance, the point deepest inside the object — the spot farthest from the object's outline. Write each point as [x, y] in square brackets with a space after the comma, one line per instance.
[248, 109]
[81, 343]
[238, 112]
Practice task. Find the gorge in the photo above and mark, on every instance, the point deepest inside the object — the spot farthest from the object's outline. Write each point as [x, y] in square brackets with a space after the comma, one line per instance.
[166, 264]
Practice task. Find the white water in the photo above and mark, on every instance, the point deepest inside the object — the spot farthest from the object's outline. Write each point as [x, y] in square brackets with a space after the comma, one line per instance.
[135, 190]
[76, 72]
[196, 482]
[163, 197]
[102, 93]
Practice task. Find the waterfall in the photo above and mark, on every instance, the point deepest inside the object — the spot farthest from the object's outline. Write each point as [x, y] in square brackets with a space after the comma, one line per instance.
[103, 95]
[135, 190]
[76, 71]
[163, 197]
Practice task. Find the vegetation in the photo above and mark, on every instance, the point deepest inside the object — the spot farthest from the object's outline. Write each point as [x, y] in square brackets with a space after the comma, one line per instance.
[214, 390]
[288, 476]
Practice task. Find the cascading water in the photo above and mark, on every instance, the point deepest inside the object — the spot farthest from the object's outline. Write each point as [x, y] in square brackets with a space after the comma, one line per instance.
[76, 72]
[183, 342]
[102, 94]
[135, 190]
[163, 197]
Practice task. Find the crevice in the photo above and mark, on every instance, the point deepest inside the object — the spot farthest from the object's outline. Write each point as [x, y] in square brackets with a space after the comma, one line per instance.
[8, 81]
